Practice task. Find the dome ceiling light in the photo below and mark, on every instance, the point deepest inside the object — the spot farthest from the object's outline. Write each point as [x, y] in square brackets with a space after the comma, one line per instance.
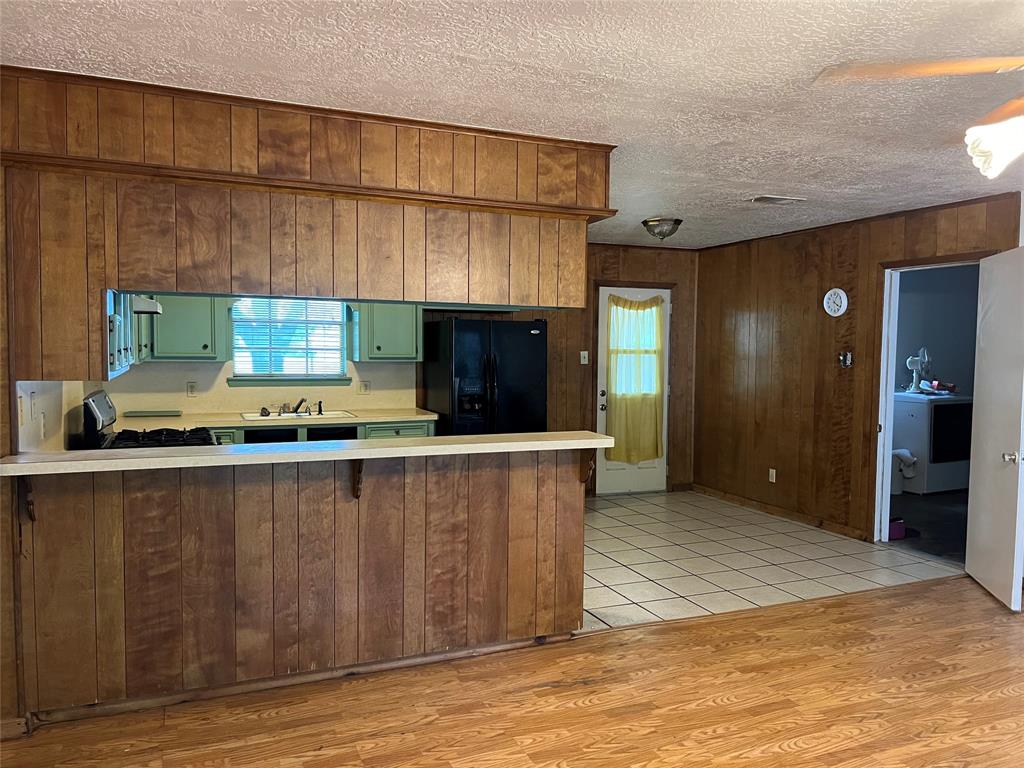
[661, 226]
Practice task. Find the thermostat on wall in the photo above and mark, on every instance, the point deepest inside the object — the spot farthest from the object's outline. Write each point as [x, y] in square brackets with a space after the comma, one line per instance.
[835, 302]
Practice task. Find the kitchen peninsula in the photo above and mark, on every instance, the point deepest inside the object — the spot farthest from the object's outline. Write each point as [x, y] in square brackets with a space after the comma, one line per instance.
[271, 237]
[175, 573]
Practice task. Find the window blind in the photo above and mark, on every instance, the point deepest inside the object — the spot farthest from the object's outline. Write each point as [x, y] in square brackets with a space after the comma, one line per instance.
[289, 337]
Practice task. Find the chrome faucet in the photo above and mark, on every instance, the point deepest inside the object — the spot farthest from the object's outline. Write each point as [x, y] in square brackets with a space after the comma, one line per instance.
[284, 408]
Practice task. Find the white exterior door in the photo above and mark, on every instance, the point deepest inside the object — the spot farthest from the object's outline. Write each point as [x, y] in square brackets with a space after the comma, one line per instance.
[617, 476]
[995, 515]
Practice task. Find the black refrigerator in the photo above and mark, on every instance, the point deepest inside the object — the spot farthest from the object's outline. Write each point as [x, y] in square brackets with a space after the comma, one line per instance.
[486, 376]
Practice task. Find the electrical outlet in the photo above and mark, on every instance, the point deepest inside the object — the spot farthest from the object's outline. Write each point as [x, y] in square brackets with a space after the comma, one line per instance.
[190, 389]
[771, 474]
[584, 357]
[364, 387]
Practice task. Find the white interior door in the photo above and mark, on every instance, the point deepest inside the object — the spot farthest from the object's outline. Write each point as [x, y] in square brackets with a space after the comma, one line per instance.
[617, 476]
[995, 514]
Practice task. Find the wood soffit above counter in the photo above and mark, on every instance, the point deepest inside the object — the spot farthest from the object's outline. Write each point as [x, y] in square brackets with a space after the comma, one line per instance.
[111, 126]
[126, 459]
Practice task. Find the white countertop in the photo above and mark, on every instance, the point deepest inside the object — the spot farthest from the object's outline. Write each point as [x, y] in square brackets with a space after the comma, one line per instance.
[234, 419]
[917, 397]
[119, 459]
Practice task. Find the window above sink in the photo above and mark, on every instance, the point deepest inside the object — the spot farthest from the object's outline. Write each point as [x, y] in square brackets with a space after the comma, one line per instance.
[288, 338]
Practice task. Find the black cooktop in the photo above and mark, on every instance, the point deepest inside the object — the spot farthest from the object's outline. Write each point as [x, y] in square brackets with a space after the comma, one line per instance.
[160, 438]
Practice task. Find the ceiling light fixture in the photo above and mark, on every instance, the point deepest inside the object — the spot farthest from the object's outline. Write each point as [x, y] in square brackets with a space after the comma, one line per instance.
[661, 226]
[777, 199]
[994, 146]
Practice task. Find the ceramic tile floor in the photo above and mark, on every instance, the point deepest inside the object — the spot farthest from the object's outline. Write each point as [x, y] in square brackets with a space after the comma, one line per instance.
[652, 557]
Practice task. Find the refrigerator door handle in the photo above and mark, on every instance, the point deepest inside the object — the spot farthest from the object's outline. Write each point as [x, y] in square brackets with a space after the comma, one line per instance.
[494, 388]
[488, 374]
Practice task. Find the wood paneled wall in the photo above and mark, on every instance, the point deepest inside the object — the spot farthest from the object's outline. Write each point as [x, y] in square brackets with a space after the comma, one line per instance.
[109, 184]
[572, 387]
[124, 123]
[769, 389]
[8, 527]
[72, 235]
[153, 582]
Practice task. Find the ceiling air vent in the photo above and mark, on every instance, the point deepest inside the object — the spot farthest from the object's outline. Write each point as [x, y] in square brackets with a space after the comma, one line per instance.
[777, 199]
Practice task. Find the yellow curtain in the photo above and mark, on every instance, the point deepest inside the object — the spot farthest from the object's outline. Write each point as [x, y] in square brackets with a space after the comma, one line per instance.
[635, 378]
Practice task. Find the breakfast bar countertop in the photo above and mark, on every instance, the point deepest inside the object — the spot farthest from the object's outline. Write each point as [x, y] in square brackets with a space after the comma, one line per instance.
[110, 460]
[234, 419]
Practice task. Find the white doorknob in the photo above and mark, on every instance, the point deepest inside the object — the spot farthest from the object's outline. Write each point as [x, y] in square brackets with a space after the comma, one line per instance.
[1010, 458]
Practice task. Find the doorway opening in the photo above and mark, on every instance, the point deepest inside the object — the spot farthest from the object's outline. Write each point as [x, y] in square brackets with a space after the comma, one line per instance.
[926, 405]
[632, 388]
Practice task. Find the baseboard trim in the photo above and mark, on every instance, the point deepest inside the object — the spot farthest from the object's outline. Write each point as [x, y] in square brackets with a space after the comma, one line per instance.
[14, 728]
[817, 522]
[48, 717]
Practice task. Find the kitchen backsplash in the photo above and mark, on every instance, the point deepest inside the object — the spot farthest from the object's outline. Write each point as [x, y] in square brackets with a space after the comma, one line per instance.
[49, 411]
[162, 386]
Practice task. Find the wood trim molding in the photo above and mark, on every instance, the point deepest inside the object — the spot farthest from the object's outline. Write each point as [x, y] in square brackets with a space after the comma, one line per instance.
[43, 718]
[13, 728]
[929, 261]
[107, 168]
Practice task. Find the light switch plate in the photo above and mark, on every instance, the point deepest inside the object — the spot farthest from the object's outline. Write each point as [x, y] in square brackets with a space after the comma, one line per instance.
[190, 389]
[364, 387]
[584, 357]
[771, 474]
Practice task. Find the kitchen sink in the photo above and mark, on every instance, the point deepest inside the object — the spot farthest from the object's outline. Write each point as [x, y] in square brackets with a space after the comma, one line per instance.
[325, 416]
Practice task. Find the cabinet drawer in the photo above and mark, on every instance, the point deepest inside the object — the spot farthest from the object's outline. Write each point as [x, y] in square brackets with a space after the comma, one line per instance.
[226, 436]
[417, 429]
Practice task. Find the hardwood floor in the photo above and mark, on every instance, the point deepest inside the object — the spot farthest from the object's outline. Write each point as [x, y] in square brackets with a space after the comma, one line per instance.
[919, 676]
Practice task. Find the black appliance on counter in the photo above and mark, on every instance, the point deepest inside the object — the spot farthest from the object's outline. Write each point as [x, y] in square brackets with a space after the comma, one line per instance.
[486, 376]
[99, 413]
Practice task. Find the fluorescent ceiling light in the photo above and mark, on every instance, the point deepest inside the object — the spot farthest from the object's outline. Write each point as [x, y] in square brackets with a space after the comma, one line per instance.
[994, 146]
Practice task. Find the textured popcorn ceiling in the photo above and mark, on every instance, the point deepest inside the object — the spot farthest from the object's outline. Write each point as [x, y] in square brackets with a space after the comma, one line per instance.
[710, 102]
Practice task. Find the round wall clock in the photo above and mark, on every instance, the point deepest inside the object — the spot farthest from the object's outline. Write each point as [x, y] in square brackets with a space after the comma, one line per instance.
[835, 302]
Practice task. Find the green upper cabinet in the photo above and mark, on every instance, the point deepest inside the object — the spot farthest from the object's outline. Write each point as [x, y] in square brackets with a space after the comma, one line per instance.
[387, 332]
[143, 338]
[192, 328]
[120, 333]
